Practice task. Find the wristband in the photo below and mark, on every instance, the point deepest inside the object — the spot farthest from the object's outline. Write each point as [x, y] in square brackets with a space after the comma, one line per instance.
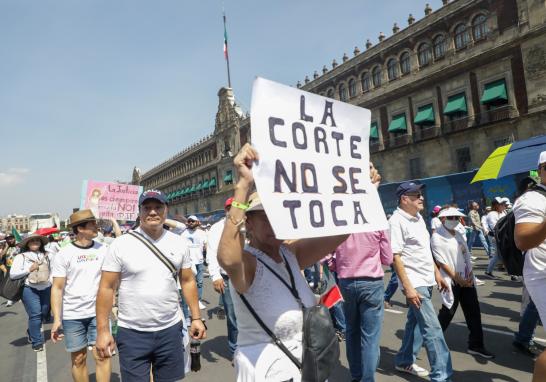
[197, 319]
[241, 206]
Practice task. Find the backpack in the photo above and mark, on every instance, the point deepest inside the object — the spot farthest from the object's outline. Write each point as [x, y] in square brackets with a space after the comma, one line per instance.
[511, 256]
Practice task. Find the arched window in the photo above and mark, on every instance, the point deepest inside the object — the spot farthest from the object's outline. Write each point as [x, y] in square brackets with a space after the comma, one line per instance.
[330, 93]
[479, 27]
[439, 46]
[376, 76]
[392, 69]
[365, 81]
[405, 66]
[352, 87]
[461, 36]
[342, 92]
[424, 54]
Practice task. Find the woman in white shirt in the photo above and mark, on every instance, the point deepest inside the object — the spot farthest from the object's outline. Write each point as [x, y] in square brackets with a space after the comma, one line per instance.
[33, 262]
[493, 217]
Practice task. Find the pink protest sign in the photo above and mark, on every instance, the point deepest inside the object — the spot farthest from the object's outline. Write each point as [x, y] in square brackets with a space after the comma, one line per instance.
[111, 200]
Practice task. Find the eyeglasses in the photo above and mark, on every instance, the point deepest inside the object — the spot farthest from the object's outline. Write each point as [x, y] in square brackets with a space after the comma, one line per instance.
[418, 195]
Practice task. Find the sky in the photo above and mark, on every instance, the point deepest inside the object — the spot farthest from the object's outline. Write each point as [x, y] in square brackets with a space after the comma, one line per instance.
[91, 88]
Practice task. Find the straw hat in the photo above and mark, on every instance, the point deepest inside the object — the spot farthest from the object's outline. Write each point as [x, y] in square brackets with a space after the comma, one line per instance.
[26, 240]
[82, 216]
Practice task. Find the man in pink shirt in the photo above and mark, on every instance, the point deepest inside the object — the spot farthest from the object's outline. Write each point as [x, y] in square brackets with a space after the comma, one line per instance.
[359, 263]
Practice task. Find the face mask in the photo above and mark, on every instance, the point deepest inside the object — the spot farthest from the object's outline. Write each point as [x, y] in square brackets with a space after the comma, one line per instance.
[451, 224]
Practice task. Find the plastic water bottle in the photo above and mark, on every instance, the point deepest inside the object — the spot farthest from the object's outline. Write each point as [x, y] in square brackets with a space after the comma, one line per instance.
[195, 353]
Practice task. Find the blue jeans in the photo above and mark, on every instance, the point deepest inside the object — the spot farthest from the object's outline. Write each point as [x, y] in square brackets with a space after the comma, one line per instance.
[494, 256]
[364, 318]
[478, 233]
[338, 316]
[423, 327]
[392, 286]
[231, 319]
[37, 305]
[199, 279]
[79, 333]
[527, 325]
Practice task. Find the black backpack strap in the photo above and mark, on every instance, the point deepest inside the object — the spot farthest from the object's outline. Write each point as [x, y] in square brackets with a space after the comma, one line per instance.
[275, 339]
[160, 256]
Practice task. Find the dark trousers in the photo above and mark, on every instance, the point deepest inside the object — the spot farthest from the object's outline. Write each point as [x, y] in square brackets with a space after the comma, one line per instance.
[468, 298]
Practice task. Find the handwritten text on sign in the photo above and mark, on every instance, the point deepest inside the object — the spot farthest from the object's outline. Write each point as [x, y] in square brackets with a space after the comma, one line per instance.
[111, 200]
[313, 174]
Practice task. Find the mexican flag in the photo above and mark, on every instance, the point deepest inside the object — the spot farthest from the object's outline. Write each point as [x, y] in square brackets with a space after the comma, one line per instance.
[225, 39]
[16, 235]
[332, 294]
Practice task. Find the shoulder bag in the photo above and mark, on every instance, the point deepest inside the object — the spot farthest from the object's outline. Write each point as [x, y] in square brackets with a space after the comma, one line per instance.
[160, 256]
[320, 343]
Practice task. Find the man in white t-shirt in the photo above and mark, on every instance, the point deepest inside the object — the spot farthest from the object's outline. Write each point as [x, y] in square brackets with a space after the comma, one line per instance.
[453, 258]
[220, 279]
[497, 212]
[76, 275]
[197, 243]
[530, 236]
[417, 272]
[150, 320]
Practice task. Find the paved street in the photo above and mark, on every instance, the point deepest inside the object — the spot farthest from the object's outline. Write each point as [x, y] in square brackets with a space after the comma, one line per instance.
[500, 305]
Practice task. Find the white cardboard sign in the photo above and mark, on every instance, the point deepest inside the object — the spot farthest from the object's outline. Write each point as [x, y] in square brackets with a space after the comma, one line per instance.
[313, 174]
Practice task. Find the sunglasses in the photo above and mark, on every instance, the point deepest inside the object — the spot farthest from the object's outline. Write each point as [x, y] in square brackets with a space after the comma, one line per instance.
[191, 221]
[417, 195]
[452, 217]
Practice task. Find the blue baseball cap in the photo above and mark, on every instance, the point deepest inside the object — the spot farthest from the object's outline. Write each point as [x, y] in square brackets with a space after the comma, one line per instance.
[152, 194]
[408, 187]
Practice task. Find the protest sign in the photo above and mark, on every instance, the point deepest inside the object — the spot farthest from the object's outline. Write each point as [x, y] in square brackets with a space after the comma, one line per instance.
[313, 173]
[110, 200]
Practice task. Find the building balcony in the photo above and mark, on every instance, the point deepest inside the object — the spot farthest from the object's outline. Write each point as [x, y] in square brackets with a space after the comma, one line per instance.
[454, 125]
[498, 114]
[426, 132]
[398, 140]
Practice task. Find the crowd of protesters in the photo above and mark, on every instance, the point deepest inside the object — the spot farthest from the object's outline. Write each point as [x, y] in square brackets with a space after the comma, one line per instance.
[139, 293]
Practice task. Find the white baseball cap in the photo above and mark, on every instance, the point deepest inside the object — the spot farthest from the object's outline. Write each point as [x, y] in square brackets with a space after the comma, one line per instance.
[542, 158]
[451, 211]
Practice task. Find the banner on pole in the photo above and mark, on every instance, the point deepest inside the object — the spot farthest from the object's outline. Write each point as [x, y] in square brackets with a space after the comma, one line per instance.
[110, 200]
[313, 174]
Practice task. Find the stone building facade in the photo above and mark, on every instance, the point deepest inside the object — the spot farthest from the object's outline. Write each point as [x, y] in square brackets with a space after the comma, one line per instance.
[19, 222]
[444, 92]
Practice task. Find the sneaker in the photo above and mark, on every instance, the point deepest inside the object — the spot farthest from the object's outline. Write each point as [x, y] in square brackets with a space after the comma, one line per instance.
[514, 278]
[473, 258]
[528, 349]
[201, 305]
[489, 274]
[9, 303]
[37, 348]
[413, 369]
[481, 352]
[387, 305]
[477, 281]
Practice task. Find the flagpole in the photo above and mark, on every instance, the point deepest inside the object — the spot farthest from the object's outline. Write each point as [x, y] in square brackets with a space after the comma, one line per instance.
[226, 51]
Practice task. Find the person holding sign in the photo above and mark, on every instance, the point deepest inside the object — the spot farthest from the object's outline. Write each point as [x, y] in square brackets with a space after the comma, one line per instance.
[260, 274]
[417, 272]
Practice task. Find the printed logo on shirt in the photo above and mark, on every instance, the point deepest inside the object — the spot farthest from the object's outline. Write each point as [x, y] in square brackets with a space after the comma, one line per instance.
[86, 258]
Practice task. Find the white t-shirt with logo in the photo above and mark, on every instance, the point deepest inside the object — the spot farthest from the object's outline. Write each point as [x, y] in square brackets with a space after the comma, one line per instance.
[81, 267]
[410, 238]
[148, 293]
[197, 240]
[531, 208]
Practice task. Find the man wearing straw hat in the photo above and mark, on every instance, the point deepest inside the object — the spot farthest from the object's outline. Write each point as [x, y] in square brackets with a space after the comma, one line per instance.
[76, 276]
